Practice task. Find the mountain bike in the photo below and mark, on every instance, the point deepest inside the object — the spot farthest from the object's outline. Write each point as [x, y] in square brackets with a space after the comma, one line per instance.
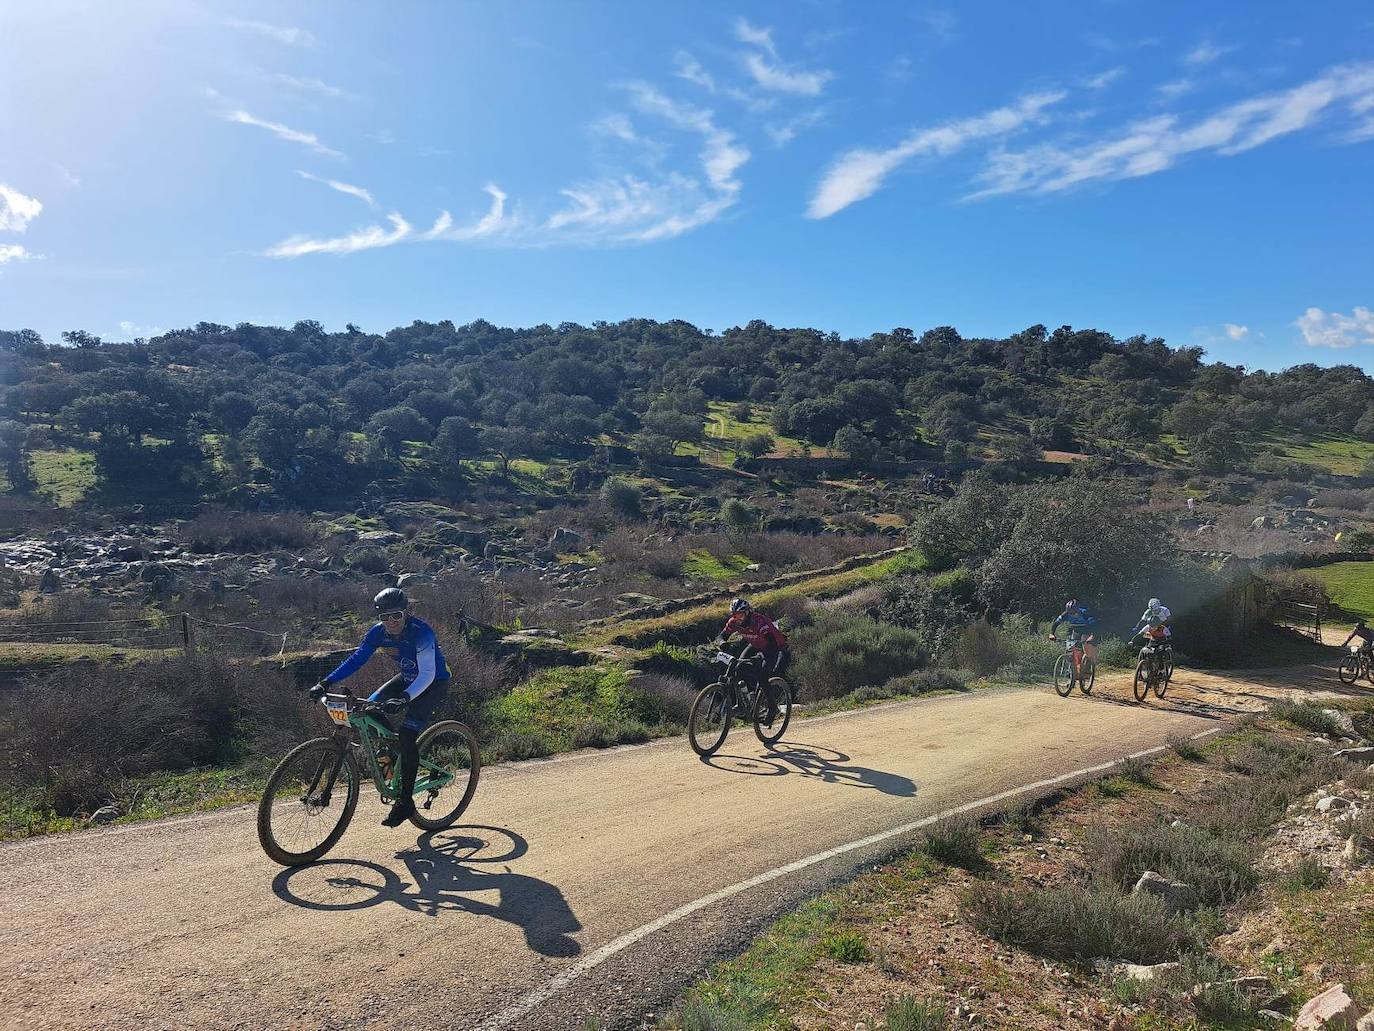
[735, 696]
[1074, 664]
[1355, 664]
[311, 795]
[1154, 668]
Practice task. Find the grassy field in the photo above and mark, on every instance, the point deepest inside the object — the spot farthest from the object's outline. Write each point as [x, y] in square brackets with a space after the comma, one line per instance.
[1351, 585]
[66, 475]
[700, 564]
[723, 430]
[15, 658]
[1341, 454]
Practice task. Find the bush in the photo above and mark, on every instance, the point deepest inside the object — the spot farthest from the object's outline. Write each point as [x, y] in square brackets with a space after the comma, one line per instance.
[622, 497]
[1078, 923]
[1186, 748]
[222, 529]
[912, 1014]
[1115, 653]
[955, 841]
[927, 681]
[80, 732]
[1307, 715]
[1220, 871]
[737, 516]
[1134, 768]
[840, 653]
[1307, 875]
[574, 708]
[937, 608]
[847, 946]
[671, 696]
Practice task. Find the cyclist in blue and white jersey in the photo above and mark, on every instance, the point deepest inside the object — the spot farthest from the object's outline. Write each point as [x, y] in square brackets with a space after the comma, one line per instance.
[1079, 621]
[417, 690]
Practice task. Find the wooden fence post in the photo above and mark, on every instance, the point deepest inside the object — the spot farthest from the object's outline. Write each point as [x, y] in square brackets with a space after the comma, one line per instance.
[185, 634]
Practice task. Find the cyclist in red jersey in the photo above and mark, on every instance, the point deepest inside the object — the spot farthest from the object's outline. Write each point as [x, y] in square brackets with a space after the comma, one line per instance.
[764, 637]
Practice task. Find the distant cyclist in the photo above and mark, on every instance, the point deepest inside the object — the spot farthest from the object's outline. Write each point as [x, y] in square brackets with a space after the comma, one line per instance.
[1155, 623]
[417, 690]
[762, 636]
[1079, 622]
[1365, 634]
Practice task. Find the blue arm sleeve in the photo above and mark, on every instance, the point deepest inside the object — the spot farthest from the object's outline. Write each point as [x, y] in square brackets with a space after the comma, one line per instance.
[424, 660]
[1057, 620]
[359, 658]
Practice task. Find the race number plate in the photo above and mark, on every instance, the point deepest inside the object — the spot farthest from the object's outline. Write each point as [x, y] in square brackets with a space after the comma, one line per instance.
[338, 714]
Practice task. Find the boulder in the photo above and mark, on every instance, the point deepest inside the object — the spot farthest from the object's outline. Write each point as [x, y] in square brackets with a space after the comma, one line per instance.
[1333, 1009]
[1176, 896]
[105, 814]
[564, 540]
[380, 538]
[1342, 720]
[1363, 754]
[1333, 803]
[413, 579]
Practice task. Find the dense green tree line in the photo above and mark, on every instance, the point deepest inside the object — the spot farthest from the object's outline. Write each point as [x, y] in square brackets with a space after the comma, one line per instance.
[311, 411]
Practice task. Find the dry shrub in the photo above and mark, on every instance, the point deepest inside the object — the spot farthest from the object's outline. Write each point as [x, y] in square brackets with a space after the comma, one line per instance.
[76, 733]
[223, 529]
[670, 695]
[955, 840]
[1220, 871]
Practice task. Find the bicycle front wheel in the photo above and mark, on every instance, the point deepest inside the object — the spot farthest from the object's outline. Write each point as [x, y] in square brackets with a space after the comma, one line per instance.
[447, 778]
[709, 721]
[1141, 685]
[1349, 669]
[1063, 675]
[771, 733]
[1160, 677]
[308, 801]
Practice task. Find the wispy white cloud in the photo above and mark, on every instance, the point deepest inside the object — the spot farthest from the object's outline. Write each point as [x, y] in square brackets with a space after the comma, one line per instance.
[364, 239]
[1205, 53]
[372, 237]
[1175, 88]
[861, 173]
[941, 23]
[17, 210]
[767, 70]
[131, 330]
[1332, 329]
[14, 252]
[310, 85]
[1235, 332]
[284, 132]
[898, 72]
[1104, 79]
[68, 177]
[352, 191]
[287, 34]
[785, 132]
[685, 66]
[1154, 144]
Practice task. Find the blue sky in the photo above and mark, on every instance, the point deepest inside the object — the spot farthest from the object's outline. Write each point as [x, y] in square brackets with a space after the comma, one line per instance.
[1203, 173]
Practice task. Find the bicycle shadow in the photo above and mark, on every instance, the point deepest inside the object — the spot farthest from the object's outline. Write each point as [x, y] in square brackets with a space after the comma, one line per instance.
[448, 869]
[829, 767]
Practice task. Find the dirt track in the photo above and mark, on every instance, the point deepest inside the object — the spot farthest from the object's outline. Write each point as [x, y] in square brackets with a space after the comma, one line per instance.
[185, 923]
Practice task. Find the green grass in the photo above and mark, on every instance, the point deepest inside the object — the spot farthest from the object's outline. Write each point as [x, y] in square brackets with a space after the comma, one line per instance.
[700, 564]
[15, 657]
[64, 474]
[1334, 452]
[1351, 586]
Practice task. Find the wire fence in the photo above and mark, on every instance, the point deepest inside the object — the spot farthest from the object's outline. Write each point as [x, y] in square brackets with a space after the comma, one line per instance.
[180, 631]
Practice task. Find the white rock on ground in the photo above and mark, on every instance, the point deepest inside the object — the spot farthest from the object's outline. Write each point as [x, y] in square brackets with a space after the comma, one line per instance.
[1332, 1010]
[1176, 895]
[1333, 802]
[1365, 1023]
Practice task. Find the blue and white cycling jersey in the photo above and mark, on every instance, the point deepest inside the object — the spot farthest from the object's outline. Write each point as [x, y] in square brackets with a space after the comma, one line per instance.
[415, 649]
[1078, 620]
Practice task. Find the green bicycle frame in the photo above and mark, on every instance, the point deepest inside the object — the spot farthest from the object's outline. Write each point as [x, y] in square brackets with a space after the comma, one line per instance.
[371, 732]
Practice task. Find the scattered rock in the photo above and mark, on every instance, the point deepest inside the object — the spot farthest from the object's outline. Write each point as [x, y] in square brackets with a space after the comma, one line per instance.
[1332, 1009]
[564, 540]
[104, 814]
[1361, 754]
[1333, 803]
[411, 579]
[1135, 971]
[1175, 895]
[381, 538]
[1365, 1023]
[1342, 720]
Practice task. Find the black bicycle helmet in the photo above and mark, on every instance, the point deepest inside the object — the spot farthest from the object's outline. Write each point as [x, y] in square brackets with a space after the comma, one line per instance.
[739, 605]
[393, 599]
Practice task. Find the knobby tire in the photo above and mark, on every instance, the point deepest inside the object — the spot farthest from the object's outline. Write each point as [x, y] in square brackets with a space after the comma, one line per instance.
[711, 702]
[332, 756]
[783, 694]
[463, 742]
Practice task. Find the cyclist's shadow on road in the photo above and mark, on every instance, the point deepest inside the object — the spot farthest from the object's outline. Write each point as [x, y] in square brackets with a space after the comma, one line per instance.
[452, 872]
[817, 762]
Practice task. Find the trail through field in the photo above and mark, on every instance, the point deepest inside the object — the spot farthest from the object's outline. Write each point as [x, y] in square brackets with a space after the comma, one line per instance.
[592, 884]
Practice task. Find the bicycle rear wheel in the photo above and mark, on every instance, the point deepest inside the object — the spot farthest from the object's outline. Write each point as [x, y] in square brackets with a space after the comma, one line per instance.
[771, 733]
[1160, 677]
[709, 721]
[308, 801]
[447, 779]
[1087, 675]
[1141, 686]
[1063, 675]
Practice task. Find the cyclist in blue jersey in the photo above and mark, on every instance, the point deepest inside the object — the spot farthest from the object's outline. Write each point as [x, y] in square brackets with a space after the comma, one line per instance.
[1079, 621]
[417, 690]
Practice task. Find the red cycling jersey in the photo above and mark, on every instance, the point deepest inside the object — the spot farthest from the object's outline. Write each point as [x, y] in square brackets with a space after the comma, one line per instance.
[758, 630]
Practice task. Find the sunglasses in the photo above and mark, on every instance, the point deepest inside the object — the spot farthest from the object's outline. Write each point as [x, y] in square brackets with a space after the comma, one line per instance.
[391, 617]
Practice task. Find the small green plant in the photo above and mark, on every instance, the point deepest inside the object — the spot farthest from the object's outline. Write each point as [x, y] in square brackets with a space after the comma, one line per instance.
[1135, 769]
[847, 946]
[1186, 748]
[955, 841]
[1307, 875]
[1020, 817]
[700, 1014]
[912, 1014]
[1307, 715]
[622, 497]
